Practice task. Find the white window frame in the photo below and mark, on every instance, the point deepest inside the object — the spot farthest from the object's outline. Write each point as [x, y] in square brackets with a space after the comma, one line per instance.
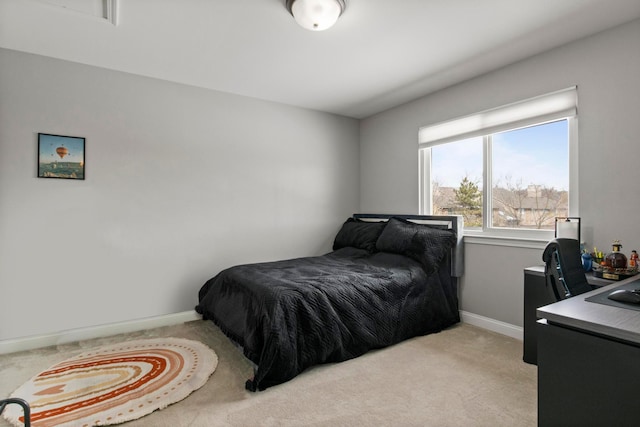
[543, 109]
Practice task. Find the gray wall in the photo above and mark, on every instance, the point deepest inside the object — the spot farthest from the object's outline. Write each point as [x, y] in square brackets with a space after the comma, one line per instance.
[605, 67]
[180, 183]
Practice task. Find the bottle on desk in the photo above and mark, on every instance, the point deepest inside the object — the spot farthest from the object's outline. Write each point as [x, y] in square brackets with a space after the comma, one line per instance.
[587, 262]
[633, 260]
[616, 259]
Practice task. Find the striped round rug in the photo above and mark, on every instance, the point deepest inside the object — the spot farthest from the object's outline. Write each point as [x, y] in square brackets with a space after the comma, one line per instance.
[115, 383]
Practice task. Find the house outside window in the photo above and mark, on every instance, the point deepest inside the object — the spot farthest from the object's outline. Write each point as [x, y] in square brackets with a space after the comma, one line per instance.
[508, 171]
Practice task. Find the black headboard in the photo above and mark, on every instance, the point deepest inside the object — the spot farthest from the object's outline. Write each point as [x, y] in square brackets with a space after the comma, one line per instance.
[449, 222]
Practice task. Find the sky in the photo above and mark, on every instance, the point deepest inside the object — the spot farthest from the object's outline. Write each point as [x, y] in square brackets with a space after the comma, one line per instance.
[49, 144]
[523, 154]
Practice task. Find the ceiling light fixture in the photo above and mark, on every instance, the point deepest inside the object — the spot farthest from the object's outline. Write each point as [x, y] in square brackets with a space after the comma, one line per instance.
[316, 15]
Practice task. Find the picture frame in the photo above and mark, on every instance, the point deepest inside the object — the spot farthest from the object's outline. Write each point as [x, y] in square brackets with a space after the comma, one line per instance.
[61, 156]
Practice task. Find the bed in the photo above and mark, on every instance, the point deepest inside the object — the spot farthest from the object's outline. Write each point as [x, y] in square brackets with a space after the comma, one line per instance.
[388, 278]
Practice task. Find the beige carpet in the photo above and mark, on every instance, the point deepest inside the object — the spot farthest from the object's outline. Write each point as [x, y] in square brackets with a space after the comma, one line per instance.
[464, 376]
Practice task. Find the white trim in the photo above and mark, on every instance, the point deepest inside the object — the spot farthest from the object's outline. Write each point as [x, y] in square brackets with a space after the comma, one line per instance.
[514, 242]
[39, 341]
[493, 325]
[111, 11]
[424, 182]
[574, 165]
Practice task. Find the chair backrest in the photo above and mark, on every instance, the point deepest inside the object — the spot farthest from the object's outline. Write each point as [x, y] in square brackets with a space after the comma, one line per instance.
[26, 409]
[563, 271]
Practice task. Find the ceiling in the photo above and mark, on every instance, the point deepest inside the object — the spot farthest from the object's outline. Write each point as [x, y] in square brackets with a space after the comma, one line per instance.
[381, 53]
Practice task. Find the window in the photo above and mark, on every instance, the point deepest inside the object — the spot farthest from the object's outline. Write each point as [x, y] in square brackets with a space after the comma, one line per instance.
[507, 171]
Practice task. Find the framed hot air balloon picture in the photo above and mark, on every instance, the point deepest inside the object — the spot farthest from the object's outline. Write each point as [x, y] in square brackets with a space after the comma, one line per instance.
[60, 156]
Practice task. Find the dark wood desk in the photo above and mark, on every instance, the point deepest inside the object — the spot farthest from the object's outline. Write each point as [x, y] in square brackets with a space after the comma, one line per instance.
[588, 355]
[536, 295]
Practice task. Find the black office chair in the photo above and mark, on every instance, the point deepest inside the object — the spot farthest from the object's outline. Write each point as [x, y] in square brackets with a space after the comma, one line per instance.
[565, 276]
[25, 408]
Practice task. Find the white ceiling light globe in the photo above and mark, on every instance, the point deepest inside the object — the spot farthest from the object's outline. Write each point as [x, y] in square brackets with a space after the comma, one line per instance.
[316, 15]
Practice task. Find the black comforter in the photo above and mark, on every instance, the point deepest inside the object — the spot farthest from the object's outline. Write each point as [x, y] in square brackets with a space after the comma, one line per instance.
[290, 315]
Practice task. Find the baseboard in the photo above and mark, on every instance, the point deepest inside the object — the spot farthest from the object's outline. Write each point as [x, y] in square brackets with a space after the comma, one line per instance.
[39, 341]
[492, 325]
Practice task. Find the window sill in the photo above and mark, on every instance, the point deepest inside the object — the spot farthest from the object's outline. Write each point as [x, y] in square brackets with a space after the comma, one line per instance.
[511, 241]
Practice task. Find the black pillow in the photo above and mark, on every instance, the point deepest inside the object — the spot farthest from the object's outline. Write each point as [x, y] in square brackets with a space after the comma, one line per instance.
[358, 234]
[425, 244]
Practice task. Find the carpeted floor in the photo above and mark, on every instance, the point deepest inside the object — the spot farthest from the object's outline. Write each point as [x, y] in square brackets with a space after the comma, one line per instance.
[464, 376]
